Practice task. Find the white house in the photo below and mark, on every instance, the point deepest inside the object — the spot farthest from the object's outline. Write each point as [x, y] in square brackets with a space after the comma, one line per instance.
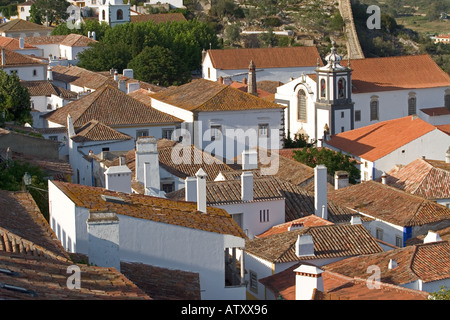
[22, 28]
[27, 68]
[23, 9]
[274, 64]
[19, 46]
[113, 12]
[151, 230]
[383, 145]
[317, 245]
[395, 215]
[345, 95]
[222, 120]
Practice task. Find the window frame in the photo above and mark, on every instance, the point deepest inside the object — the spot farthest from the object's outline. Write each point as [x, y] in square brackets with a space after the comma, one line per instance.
[374, 108]
[301, 106]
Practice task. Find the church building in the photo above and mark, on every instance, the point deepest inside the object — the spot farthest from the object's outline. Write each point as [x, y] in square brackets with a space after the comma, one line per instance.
[345, 95]
[114, 12]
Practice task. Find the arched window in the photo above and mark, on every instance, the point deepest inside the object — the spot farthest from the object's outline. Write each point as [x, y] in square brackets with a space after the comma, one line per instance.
[374, 112]
[301, 110]
[119, 14]
[412, 102]
[103, 15]
[341, 88]
[322, 88]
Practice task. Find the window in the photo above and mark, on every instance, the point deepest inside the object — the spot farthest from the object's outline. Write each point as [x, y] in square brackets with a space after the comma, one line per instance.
[301, 112]
[49, 106]
[216, 132]
[105, 149]
[342, 114]
[374, 110]
[119, 14]
[412, 104]
[54, 138]
[357, 115]
[209, 73]
[141, 133]
[168, 187]
[341, 88]
[447, 101]
[22, 9]
[167, 133]
[103, 15]
[263, 130]
[322, 88]
[398, 241]
[379, 234]
[253, 281]
[342, 129]
[264, 215]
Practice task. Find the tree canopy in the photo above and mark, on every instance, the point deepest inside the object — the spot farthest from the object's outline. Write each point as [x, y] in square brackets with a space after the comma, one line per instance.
[15, 103]
[334, 161]
[49, 11]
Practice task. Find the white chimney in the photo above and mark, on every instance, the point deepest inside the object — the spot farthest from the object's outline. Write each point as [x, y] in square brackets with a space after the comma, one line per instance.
[129, 73]
[249, 159]
[384, 178]
[392, 264]
[190, 189]
[247, 186]
[118, 178]
[307, 279]
[122, 85]
[340, 179]
[49, 73]
[89, 34]
[151, 177]
[304, 246]
[133, 86]
[355, 220]
[146, 151]
[70, 129]
[201, 190]
[296, 226]
[3, 57]
[320, 191]
[21, 43]
[103, 239]
[93, 35]
[432, 236]
[447, 156]
[116, 76]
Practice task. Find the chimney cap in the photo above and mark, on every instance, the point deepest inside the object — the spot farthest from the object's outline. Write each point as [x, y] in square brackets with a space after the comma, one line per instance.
[201, 173]
[309, 269]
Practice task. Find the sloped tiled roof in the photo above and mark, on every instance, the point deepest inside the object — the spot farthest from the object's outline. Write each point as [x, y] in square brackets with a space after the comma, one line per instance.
[13, 58]
[308, 221]
[396, 73]
[339, 287]
[205, 95]
[47, 88]
[427, 262]
[22, 25]
[389, 204]
[330, 241]
[80, 77]
[110, 106]
[287, 57]
[443, 233]
[426, 178]
[161, 210]
[13, 44]
[375, 141]
[97, 131]
[70, 40]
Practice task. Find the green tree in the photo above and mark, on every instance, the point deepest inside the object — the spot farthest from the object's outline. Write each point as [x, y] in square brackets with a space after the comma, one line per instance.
[99, 28]
[233, 32]
[15, 103]
[49, 11]
[442, 294]
[159, 65]
[334, 161]
[101, 56]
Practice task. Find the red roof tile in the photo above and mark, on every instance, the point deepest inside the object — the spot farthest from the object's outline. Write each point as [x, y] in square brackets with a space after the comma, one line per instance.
[97, 131]
[308, 221]
[378, 140]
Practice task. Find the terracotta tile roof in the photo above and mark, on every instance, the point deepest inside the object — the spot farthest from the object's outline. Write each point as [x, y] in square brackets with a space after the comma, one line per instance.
[22, 25]
[142, 95]
[46, 279]
[158, 18]
[112, 107]
[426, 178]
[142, 85]
[161, 283]
[427, 262]
[330, 241]
[13, 58]
[308, 221]
[260, 93]
[77, 40]
[43, 40]
[443, 233]
[378, 140]
[162, 210]
[396, 73]
[24, 229]
[339, 287]
[80, 77]
[97, 131]
[205, 95]
[47, 88]
[287, 57]
[389, 204]
[13, 44]
[444, 128]
[439, 111]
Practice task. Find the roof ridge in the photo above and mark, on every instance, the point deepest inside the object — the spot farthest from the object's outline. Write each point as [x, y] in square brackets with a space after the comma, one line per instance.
[212, 97]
